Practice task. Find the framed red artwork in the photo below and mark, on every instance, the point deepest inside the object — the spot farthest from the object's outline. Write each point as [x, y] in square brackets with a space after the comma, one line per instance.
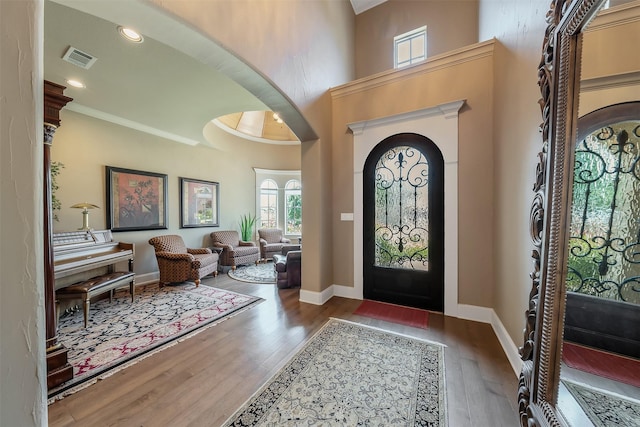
[136, 200]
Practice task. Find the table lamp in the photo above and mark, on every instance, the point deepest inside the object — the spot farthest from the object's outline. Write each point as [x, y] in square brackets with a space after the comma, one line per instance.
[85, 213]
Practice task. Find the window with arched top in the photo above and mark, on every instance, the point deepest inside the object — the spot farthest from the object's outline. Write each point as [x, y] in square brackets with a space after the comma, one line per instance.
[268, 204]
[293, 207]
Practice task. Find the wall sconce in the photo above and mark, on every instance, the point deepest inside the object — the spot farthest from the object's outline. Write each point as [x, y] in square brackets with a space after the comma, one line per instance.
[85, 214]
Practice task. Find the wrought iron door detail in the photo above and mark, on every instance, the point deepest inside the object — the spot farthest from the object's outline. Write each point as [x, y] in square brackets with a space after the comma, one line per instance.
[604, 248]
[402, 209]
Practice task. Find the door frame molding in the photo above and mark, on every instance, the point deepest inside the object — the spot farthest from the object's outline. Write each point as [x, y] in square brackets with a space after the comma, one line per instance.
[440, 124]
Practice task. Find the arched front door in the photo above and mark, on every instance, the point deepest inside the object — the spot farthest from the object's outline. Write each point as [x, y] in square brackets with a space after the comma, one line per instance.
[404, 222]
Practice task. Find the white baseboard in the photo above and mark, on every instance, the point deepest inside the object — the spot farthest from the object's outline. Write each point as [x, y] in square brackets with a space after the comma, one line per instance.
[345, 292]
[147, 278]
[475, 313]
[488, 315]
[464, 311]
[317, 298]
[508, 346]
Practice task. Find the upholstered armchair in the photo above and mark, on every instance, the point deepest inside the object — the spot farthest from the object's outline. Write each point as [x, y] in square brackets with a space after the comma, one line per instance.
[271, 242]
[234, 251]
[178, 263]
[288, 269]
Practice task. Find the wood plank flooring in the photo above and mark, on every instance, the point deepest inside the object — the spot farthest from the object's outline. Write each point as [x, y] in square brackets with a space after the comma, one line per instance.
[204, 379]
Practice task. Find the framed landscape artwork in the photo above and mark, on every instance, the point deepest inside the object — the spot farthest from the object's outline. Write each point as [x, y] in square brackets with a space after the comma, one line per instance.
[136, 200]
[199, 203]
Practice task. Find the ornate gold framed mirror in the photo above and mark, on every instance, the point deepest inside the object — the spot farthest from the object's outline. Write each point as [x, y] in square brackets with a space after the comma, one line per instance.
[558, 78]
[585, 225]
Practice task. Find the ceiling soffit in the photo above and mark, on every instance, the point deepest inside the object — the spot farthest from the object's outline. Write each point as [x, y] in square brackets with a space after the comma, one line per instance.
[229, 77]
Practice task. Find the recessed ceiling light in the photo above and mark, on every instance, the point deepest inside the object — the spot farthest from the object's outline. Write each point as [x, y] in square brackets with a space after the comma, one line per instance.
[130, 34]
[75, 83]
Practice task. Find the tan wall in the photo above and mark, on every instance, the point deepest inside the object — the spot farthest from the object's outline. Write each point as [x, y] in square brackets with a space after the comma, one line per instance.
[22, 325]
[450, 25]
[282, 40]
[86, 145]
[520, 28]
[475, 175]
[279, 38]
[304, 47]
[608, 53]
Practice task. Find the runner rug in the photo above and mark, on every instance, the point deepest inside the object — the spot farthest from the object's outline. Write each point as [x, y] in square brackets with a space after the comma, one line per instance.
[604, 364]
[120, 333]
[394, 313]
[349, 374]
[252, 273]
[605, 409]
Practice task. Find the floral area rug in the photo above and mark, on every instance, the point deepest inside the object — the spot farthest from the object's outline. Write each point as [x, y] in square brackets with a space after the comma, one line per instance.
[120, 333]
[261, 273]
[605, 409]
[350, 374]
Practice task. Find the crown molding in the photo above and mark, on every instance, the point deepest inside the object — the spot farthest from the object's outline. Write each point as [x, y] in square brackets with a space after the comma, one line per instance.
[121, 121]
[435, 63]
[613, 17]
[608, 82]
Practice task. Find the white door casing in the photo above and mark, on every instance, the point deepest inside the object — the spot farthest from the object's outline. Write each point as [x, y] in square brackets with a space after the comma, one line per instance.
[439, 124]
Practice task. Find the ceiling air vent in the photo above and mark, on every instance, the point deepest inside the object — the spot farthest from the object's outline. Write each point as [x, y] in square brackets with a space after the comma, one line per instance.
[79, 58]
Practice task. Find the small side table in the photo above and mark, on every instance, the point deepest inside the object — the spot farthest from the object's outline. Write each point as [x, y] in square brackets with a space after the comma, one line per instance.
[217, 250]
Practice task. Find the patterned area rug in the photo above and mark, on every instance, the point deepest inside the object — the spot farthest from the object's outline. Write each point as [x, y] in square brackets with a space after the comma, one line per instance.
[121, 332]
[261, 273]
[350, 374]
[605, 409]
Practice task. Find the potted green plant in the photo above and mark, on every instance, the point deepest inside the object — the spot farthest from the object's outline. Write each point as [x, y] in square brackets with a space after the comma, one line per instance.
[246, 227]
[56, 204]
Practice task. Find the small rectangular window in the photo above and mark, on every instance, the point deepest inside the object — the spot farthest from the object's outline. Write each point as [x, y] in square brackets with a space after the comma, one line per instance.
[410, 48]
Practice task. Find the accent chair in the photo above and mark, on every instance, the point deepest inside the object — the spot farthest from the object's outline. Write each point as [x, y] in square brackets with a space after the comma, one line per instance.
[177, 263]
[288, 269]
[271, 242]
[234, 252]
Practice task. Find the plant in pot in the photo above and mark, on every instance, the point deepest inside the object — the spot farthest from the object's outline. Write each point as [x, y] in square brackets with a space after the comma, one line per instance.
[246, 227]
[56, 204]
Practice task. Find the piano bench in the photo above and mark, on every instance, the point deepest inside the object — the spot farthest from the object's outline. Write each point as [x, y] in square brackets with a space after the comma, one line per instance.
[96, 286]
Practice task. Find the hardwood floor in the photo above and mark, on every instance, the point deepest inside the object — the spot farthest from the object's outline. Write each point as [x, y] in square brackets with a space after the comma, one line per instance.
[204, 379]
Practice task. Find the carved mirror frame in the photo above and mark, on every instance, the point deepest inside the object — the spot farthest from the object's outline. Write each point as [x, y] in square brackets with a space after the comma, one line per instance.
[558, 78]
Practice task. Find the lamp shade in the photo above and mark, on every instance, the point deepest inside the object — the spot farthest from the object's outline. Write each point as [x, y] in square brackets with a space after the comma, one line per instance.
[85, 205]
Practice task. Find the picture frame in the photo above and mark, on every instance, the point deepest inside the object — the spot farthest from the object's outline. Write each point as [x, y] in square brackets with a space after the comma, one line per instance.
[199, 203]
[136, 200]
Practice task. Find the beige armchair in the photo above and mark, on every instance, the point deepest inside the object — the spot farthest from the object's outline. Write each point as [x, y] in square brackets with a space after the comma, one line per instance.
[234, 251]
[271, 242]
[178, 263]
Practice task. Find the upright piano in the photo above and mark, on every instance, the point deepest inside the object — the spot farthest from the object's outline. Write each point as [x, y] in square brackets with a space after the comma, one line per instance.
[80, 255]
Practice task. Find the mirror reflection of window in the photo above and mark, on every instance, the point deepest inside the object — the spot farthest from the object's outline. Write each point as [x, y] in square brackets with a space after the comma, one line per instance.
[604, 248]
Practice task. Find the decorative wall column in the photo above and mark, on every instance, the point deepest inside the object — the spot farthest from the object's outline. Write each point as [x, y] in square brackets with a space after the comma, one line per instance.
[58, 368]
